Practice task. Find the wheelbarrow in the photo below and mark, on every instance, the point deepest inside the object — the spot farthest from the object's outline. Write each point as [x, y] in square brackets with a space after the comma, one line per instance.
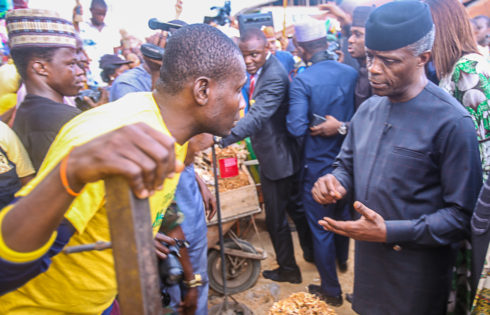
[242, 258]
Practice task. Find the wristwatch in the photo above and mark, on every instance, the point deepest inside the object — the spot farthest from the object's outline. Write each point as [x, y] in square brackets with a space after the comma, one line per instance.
[342, 129]
[218, 141]
[196, 282]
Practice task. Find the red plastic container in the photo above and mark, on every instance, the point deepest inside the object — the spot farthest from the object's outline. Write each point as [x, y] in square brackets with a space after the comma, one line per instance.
[228, 167]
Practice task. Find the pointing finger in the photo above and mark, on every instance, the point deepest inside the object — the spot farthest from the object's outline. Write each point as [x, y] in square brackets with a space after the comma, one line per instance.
[332, 185]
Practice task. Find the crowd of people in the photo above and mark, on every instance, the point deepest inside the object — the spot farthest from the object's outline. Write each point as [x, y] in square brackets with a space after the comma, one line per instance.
[383, 139]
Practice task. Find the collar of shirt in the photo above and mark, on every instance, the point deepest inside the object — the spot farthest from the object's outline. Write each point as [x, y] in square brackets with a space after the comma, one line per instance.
[89, 23]
[257, 74]
[318, 57]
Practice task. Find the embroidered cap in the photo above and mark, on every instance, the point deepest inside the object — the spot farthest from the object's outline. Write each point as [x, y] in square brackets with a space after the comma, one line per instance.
[39, 28]
[309, 29]
[397, 24]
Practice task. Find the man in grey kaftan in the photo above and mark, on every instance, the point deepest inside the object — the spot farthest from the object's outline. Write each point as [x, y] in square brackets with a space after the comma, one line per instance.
[411, 157]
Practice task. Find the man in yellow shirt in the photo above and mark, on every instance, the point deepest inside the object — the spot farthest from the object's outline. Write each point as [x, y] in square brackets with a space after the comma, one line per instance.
[199, 90]
[15, 167]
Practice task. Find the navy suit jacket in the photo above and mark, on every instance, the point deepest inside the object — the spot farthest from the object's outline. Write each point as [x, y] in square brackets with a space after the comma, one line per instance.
[325, 88]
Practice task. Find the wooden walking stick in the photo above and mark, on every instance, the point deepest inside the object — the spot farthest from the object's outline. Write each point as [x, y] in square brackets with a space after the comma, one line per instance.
[134, 253]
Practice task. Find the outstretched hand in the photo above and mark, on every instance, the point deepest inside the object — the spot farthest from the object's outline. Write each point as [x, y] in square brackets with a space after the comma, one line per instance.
[371, 227]
[334, 9]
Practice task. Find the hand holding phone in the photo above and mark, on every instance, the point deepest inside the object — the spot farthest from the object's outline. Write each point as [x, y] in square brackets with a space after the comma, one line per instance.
[316, 120]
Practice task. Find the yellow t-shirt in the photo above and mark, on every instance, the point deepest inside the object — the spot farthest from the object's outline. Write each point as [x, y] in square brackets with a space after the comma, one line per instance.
[15, 153]
[9, 84]
[9, 79]
[84, 283]
[7, 102]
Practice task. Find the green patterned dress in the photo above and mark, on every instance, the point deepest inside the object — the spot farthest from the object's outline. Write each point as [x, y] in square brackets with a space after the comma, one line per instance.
[481, 304]
[469, 83]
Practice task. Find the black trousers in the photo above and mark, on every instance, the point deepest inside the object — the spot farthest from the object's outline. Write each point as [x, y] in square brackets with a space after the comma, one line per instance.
[296, 212]
[277, 195]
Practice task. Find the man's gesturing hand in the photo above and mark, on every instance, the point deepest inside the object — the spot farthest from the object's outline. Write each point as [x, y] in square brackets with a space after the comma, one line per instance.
[371, 227]
[327, 189]
[144, 156]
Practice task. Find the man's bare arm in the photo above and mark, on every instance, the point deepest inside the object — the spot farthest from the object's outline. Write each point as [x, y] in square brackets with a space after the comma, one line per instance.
[144, 156]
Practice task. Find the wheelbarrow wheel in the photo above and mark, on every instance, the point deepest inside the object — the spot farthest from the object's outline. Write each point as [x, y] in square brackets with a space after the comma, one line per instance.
[241, 273]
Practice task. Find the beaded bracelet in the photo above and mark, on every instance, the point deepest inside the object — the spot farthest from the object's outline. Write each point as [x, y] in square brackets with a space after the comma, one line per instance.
[196, 282]
[64, 180]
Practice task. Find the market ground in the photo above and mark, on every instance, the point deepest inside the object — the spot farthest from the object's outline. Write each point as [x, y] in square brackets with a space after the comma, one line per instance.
[265, 292]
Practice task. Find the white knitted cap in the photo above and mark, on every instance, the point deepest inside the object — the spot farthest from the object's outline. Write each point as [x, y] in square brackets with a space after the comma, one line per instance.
[309, 29]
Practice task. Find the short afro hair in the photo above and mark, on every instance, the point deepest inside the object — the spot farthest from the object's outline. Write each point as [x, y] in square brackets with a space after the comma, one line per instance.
[314, 45]
[253, 33]
[23, 55]
[197, 50]
[109, 70]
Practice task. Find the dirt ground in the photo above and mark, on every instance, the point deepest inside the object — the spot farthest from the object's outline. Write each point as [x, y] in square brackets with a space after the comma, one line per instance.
[265, 292]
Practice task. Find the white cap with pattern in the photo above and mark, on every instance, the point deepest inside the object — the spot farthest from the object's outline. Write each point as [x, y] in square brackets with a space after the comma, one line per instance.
[309, 29]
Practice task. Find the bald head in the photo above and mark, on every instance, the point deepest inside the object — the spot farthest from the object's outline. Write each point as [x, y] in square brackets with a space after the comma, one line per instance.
[253, 33]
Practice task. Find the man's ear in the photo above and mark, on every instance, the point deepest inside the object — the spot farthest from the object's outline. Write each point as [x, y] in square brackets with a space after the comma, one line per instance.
[201, 90]
[300, 50]
[39, 67]
[268, 45]
[267, 48]
[424, 58]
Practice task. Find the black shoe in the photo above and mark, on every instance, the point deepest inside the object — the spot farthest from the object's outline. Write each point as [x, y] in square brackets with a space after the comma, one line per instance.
[281, 275]
[343, 267]
[332, 300]
[308, 257]
[349, 297]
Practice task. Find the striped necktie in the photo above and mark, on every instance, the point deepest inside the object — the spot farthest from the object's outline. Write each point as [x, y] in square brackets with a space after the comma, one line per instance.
[252, 85]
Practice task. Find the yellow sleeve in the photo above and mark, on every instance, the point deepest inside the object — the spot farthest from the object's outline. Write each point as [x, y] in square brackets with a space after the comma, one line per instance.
[7, 102]
[16, 153]
[9, 79]
[11, 255]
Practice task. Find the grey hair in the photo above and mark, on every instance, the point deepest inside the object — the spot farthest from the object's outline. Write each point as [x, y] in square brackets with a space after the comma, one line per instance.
[424, 44]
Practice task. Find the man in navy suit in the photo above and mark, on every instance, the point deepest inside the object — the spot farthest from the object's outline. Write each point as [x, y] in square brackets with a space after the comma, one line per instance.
[325, 88]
